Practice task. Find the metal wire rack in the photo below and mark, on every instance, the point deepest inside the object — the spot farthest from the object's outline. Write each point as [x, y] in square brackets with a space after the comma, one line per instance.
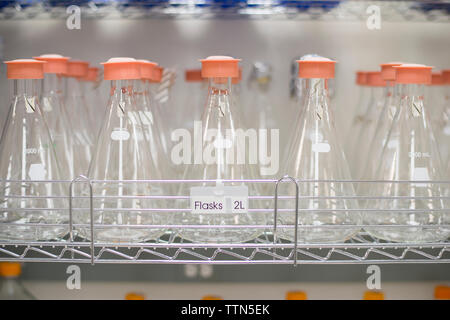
[348, 10]
[268, 248]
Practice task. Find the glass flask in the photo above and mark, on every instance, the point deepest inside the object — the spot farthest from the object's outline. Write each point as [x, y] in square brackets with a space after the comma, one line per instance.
[361, 109]
[315, 154]
[159, 98]
[145, 106]
[11, 288]
[384, 123]
[367, 129]
[79, 114]
[410, 153]
[195, 87]
[122, 153]
[446, 113]
[219, 153]
[55, 113]
[93, 97]
[262, 116]
[436, 96]
[28, 154]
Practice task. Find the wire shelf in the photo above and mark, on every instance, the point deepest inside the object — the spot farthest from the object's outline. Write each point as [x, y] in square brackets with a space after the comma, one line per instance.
[268, 248]
[349, 10]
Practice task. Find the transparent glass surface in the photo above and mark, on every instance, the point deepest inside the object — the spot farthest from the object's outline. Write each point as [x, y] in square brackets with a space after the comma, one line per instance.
[358, 120]
[315, 154]
[366, 131]
[59, 124]
[410, 153]
[438, 97]
[82, 125]
[122, 153]
[220, 134]
[377, 143]
[28, 155]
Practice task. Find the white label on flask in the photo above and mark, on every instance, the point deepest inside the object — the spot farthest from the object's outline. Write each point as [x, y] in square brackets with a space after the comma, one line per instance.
[37, 171]
[120, 135]
[447, 130]
[219, 199]
[321, 147]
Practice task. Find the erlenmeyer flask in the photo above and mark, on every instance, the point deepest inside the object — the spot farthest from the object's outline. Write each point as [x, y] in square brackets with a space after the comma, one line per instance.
[315, 154]
[360, 111]
[410, 153]
[159, 100]
[384, 123]
[367, 129]
[446, 114]
[122, 153]
[145, 107]
[28, 154]
[219, 153]
[438, 116]
[93, 98]
[55, 113]
[264, 116]
[79, 114]
[196, 86]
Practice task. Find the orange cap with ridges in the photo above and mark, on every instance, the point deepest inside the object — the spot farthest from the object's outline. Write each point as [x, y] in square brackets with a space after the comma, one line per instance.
[220, 67]
[10, 269]
[193, 75]
[442, 292]
[361, 78]
[374, 79]
[55, 63]
[373, 295]
[296, 295]
[134, 296]
[77, 68]
[147, 69]
[413, 74]
[436, 79]
[316, 67]
[388, 71]
[25, 69]
[212, 297]
[92, 74]
[446, 76]
[121, 69]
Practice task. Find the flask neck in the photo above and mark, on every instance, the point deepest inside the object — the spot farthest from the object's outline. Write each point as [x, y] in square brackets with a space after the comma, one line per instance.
[75, 87]
[219, 93]
[123, 92]
[412, 98]
[26, 87]
[316, 96]
[52, 84]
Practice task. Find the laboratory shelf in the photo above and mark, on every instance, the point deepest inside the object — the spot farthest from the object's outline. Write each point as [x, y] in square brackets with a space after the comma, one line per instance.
[268, 248]
[346, 10]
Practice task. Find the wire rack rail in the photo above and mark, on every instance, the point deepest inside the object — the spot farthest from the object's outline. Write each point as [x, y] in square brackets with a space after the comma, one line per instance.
[268, 248]
[348, 10]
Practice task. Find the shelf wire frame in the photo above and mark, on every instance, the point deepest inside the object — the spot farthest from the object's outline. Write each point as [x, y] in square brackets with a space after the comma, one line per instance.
[354, 10]
[261, 245]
